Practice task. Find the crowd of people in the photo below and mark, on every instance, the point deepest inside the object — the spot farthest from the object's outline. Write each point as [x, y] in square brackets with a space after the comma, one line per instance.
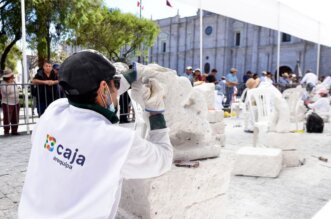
[315, 97]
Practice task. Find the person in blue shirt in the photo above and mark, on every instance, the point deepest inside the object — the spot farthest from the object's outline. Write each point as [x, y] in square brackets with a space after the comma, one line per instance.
[188, 73]
[284, 81]
[231, 82]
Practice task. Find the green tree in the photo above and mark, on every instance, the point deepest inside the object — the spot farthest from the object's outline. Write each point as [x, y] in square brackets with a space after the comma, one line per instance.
[12, 57]
[53, 19]
[116, 34]
[10, 27]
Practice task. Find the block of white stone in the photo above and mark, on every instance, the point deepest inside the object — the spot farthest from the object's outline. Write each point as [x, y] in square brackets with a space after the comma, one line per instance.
[181, 193]
[207, 90]
[217, 128]
[288, 142]
[252, 161]
[215, 116]
[280, 140]
[291, 158]
[187, 152]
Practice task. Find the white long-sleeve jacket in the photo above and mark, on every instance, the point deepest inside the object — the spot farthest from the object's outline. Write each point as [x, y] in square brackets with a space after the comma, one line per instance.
[78, 160]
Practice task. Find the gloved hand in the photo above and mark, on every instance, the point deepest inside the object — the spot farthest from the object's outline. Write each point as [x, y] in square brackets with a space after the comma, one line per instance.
[136, 73]
[153, 97]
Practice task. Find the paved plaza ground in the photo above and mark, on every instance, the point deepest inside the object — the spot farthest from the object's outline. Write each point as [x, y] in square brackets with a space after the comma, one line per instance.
[298, 192]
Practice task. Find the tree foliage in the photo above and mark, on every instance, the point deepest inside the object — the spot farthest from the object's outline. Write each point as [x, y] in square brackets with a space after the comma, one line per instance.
[12, 57]
[10, 28]
[53, 20]
[117, 34]
[87, 23]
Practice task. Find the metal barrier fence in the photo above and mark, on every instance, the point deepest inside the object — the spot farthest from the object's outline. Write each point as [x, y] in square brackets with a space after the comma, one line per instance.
[22, 104]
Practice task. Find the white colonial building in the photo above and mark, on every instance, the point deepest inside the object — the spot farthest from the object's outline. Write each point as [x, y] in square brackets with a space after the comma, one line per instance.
[231, 43]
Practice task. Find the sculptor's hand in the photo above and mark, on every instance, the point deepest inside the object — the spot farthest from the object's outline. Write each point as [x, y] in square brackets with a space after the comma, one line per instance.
[136, 73]
[153, 97]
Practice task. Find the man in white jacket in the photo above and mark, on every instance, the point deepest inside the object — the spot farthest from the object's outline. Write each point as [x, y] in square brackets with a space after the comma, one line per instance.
[79, 157]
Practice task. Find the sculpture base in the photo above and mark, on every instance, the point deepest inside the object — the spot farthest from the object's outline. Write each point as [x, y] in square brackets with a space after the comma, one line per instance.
[187, 152]
[262, 162]
[181, 193]
[287, 142]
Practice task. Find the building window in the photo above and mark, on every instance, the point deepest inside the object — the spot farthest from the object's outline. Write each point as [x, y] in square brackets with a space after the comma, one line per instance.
[164, 46]
[237, 40]
[208, 30]
[207, 68]
[286, 37]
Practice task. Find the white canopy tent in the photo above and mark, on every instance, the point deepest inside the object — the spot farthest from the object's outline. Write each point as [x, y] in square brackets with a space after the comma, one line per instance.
[306, 19]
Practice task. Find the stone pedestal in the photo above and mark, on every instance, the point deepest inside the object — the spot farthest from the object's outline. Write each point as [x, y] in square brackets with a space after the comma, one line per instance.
[264, 162]
[187, 152]
[181, 193]
[285, 141]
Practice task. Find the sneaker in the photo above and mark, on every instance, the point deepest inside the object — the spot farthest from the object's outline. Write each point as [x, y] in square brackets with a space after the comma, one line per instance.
[15, 133]
[248, 131]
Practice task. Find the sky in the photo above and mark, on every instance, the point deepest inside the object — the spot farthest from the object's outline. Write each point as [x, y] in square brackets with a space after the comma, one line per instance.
[155, 9]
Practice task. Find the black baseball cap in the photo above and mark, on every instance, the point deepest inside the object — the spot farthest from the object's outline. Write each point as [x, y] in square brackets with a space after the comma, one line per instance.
[82, 72]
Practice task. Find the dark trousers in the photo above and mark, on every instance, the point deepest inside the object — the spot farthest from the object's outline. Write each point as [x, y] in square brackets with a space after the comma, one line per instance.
[41, 107]
[10, 117]
[228, 93]
[124, 107]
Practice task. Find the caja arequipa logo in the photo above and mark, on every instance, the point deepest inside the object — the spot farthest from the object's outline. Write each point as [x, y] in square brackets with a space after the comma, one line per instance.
[65, 156]
[50, 143]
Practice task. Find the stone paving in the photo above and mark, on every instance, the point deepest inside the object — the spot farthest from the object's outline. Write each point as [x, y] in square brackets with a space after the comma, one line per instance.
[14, 156]
[298, 193]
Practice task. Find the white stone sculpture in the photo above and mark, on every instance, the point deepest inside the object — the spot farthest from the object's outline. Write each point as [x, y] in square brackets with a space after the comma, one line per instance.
[187, 111]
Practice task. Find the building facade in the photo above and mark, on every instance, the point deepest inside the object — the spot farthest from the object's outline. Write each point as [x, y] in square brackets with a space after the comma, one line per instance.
[231, 43]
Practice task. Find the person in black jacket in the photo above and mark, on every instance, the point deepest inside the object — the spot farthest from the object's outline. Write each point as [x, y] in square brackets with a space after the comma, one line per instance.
[47, 89]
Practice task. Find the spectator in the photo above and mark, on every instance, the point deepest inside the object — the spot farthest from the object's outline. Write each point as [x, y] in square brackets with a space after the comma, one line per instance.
[284, 81]
[231, 82]
[321, 79]
[47, 89]
[197, 77]
[56, 68]
[309, 80]
[10, 103]
[247, 76]
[327, 82]
[268, 78]
[211, 78]
[263, 76]
[322, 105]
[255, 76]
[188, 73]
[220, 87]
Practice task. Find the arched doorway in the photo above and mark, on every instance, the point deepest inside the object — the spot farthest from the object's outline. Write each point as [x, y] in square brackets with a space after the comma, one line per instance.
[283, 69]
[207, 68]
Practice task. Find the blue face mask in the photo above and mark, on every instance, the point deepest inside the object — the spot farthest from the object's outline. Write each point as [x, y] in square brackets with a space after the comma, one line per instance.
[110, 103]
[111, 108]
